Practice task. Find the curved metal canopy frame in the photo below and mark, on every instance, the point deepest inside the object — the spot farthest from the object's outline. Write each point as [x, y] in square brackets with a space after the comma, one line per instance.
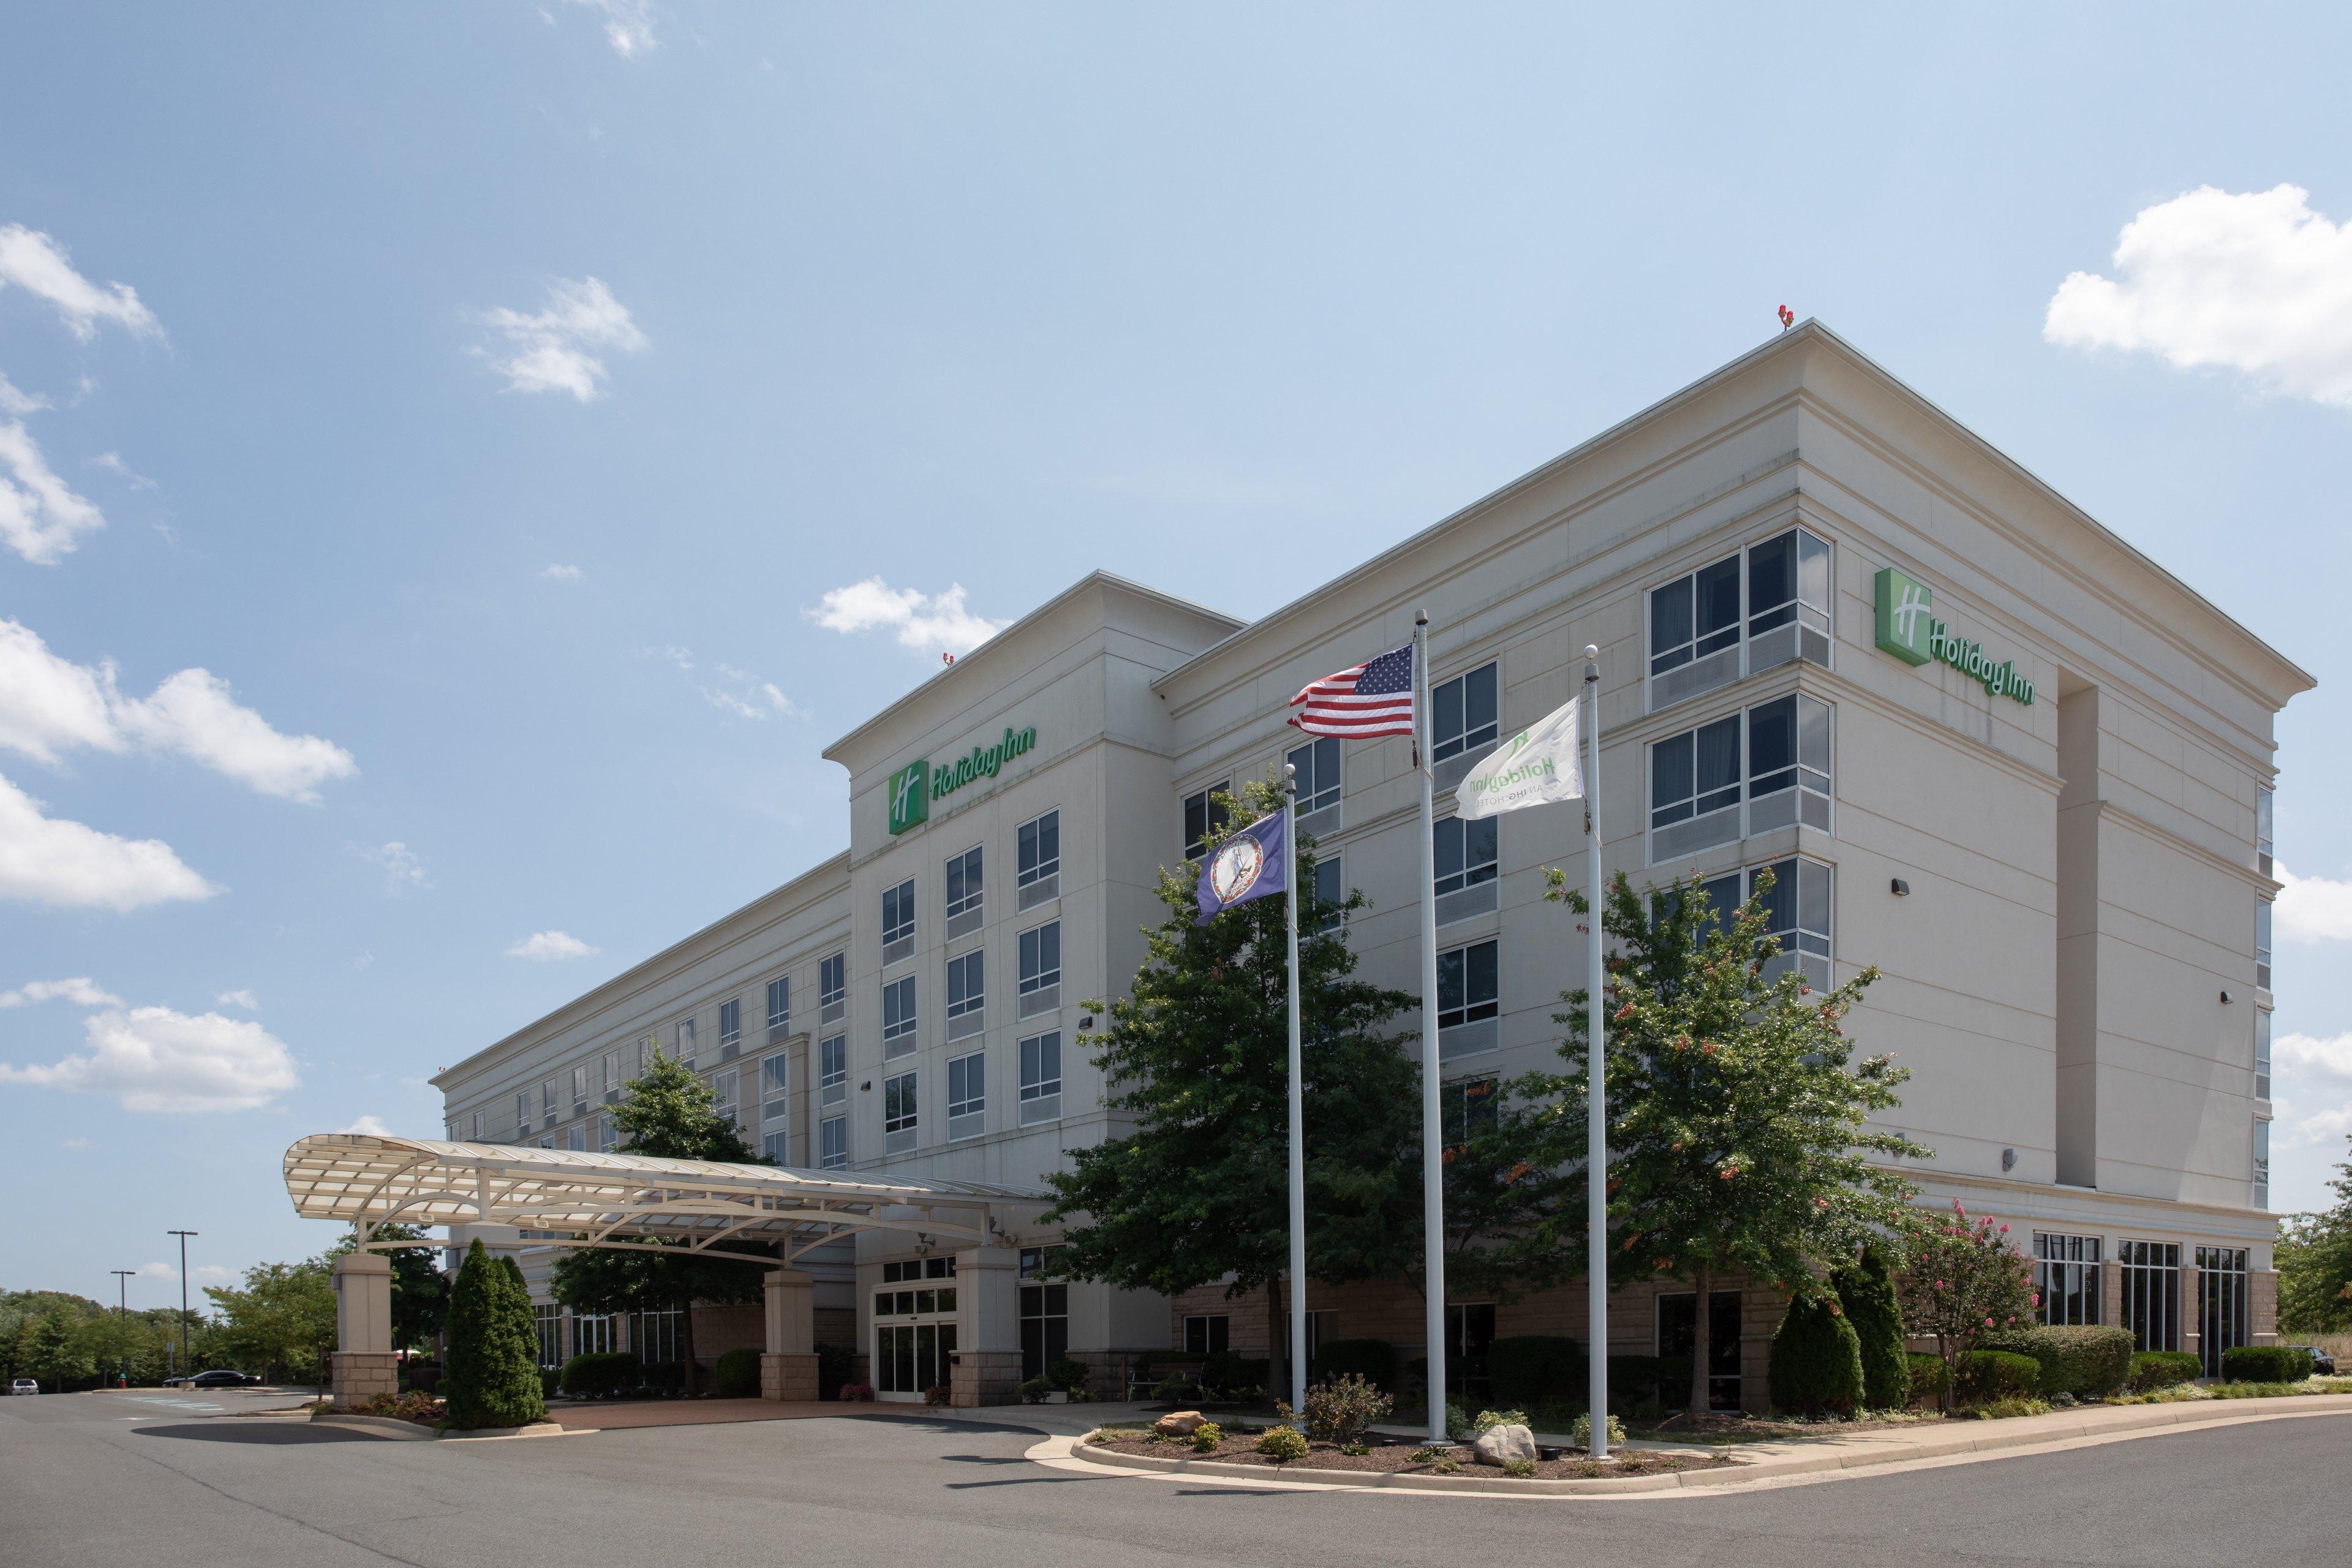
[625, 1202]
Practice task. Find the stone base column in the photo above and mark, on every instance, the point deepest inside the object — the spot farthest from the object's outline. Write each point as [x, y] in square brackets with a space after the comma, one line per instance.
[984, 1377]
[361, 1375]
[789, 1377]
[987, 1367]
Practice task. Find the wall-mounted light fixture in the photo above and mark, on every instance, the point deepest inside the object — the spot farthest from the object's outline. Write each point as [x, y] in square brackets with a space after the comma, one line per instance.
[865, 1087]
[2226, 999]
[2008, 1158]
[1901, 888]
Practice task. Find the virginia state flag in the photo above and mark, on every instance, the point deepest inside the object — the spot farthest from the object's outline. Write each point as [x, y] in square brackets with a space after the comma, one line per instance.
[1251, 864]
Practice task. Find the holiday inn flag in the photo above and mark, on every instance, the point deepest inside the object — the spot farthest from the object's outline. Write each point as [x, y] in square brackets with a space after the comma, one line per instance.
[1535, 767]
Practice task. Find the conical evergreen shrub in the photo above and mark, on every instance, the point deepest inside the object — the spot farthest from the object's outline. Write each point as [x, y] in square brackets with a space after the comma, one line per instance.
[1866, 1291]
[1816, 1365]
[492, 1374]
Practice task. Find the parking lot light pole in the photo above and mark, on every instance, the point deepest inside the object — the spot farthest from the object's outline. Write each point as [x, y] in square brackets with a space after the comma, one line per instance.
[121, 1309]
[183, 1235]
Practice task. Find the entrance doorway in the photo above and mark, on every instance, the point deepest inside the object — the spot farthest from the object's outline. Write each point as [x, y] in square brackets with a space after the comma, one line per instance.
[914, 1341]
[1678, 1331]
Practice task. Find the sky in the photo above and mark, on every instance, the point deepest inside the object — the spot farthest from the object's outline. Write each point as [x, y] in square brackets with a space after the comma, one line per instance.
[460, 463]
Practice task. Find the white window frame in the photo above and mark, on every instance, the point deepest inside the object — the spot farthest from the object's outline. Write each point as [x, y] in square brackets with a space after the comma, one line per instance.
[775, 1087]
[1456, 735]
[967, 988]
[1319, 770]
[777, 1144]
[1744, 632]
[967, 1095]
[1809, 942]
[2261, 1161]
[1041, 1077]
[578, 1087]
[1336, 863]
[902, 1119]
[899, 929]
[730, 1024]
[833, 1070]
[614, 1080]
[962, 912]
[780, 1009]
[1039, 988]
[2261, 1053]
[2262, 944]
[901, 1016]
[1802, 792]
[833, 988]
[832, 1143]
[1467, 874]
[2066, 1268]
[1473, 1025]
[1037, 876]
[726, 1094]
[689, 1039]
[1214, 816]
[2265, 810]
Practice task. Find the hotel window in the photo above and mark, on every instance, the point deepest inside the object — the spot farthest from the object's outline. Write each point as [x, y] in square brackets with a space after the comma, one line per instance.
[726, 1090]
[2066, 1273]
[2261, 1161]
[2261, 1053]
[1044, 1328]
[592, 1336]
[833, 1070]
[2151, 1291]
[1041, 1077]
[967, 1095]
[898, 921]
[899, 1115]
[775, 1087]
[548, 1319]
[1041, 969]
[1467, 1107]
[1207, 1333]
[1468, 863]
[614, 1081]
[731, 1028]
[688, 1031]
[1465, 717]
[1696, 777]
[833, 988]
[579, 1089]
[777, 1145]
[1205, 814]
[967, 995]
[1781, 600]
[2221, 1303]
[1331, 893]
[522, 1111]
[780, 1009]
[963, 914]
[1469, 1000]
[898, 1016]
[2262, 846]
[1037, 869]
[547, 1101]
[1318, 775]
[832, 1143]
[605, 1135]
[2262, 944]
[478, 1127]
[1797, 910]
[575, 1137]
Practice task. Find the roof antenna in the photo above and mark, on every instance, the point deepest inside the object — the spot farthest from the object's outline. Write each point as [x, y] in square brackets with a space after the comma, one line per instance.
[1788, 318]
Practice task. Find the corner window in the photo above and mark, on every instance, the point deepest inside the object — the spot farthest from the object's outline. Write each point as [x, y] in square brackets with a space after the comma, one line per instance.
[1037, 851]
[1041, 1077]
[1742, 775]
[967, 1095]
[1750, 611]
[833, 1070]
[2263, 944]
[1205, 815]
[898, 921]
[2261, 1053]
[1040, 969]
[967, 994]
[2261, 1161]
[1469, 1000]
[898, 1019]
[833, 988]
[1331, 893]
[899, 1113]
[962, 910]
[780, 1009]
[2066, 1274]
[1318, 774]
[776, 1088]
[832, 1143]
[1797, 910]
[2262, 846]
[1465, 712]
[730, 1026]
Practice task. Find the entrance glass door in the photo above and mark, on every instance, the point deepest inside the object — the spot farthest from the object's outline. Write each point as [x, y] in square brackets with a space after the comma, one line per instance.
[1678, 1331]
[914, 1338]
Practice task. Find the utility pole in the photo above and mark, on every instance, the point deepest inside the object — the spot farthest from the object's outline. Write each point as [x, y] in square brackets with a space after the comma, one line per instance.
[122, 1308]
[183, 1235]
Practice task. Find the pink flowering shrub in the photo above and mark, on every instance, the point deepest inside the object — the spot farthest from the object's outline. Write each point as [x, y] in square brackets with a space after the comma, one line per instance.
[1964, 1280]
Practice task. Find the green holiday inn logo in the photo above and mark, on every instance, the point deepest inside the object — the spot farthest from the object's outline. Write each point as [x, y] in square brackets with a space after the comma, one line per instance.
[1909, 629]
[910, 796]
[916, 785]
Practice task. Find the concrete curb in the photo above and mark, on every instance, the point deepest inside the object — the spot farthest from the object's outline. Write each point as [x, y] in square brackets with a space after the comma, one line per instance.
[2067, 1429]
[393, 1427]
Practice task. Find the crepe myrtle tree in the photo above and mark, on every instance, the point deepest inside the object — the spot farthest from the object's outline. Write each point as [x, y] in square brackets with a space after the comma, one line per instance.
[1964, 1280]
[1198, 1055]
[1738, 1116]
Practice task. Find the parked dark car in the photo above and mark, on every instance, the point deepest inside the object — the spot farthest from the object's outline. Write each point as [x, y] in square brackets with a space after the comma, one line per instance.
[2321, 1362]
[218, 1378]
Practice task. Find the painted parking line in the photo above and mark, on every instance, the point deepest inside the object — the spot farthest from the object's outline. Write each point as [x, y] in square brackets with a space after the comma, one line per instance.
[176, 1404]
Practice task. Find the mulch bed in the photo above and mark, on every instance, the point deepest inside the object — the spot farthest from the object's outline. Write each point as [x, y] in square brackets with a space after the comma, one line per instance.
[1397, 1459]
[1735, 1426]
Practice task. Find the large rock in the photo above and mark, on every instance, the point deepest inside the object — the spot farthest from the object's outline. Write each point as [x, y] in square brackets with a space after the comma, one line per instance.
[1504, 1444]
[1184, 1423]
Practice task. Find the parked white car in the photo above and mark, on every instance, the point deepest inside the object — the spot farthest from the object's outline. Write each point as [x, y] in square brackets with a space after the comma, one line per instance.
[24, 1386]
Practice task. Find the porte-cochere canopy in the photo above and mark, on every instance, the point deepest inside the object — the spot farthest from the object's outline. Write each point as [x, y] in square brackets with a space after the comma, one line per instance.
[626, 1201]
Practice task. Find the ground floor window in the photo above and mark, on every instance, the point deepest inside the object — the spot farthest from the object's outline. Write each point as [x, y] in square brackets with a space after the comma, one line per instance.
[2066, 1273]
[2220, 1304]
[2151, 1282]
[591, 1336]
[1045, 1327]
[1469, 1330]
[549, 1320]
[1678, 1333]
[655, 1336]
[914, 1340]
[1207, 1333]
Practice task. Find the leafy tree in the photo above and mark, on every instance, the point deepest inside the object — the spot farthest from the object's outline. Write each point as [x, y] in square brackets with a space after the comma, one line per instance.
[420, 1292]
[668, 1114]
[493, 1368]
[2315, 1264]
[1866, 1291]
[1738, 1117]
[1816, 1362]
[1199, 1056]
[282, 1319]
[1963, 1281]
[1511, 1183]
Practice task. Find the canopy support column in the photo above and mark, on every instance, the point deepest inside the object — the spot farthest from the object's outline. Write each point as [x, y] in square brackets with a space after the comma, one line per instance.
[788, 1365]
[988, 1327]
[365, 1364]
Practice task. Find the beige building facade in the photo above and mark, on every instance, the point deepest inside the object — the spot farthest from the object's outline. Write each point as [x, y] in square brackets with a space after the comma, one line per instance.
[1985, 745]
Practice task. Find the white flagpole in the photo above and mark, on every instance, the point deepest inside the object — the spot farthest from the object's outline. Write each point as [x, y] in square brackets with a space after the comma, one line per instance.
[1297, 1114]
[1433, 1137]
[1596, 1159]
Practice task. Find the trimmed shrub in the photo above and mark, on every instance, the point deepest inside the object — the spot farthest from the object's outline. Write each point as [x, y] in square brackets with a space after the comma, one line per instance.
[1987, 1377]
[662, 1376]
[737, 1377]
[1644, 1381]
[2162, 1369]
[1866, 1291]
[599, 1375]
[2266, 1363]
[1579, 1432]
[1930, 1376]
[1069, 1374]
[1374, 1361]
[493, 1363]
[1816, 1362]
[1034, 1391]
[1282, 1444]
[1207, 1437]
[1230, 1374]
[1529, 1370]
[550, 1382]
[2086, 1361]
[1342, 1410]
[834, 1365]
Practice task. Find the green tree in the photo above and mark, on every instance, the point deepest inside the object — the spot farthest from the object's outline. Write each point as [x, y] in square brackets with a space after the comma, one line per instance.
[1866, 1291]
[492, 1378]
[1816, 1362]
[420, 1292]
[1739, 1130]
[668, 1114]
[2315, 1264]
[1962, 1280]
[1511, 1183]
[1199, 1056]
[282, 1319]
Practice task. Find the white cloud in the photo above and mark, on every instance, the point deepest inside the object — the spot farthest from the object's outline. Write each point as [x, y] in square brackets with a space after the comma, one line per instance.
[2313, 909]
[37, 264]
[245, 999]
[80, 991]
[552, 947]
[2256, 283]
[552, 348]
[76, 1143]
[926, 623]
[760, 699]
[402, 872]
[2332, 1055]
[113, 464]
[154, 1059]
[561, 573]
[681, 656]
[15, 402]
[628, 25]
[41, 518]
[49, 705]
[369, 1124]
[49, 860]
[203, 1272]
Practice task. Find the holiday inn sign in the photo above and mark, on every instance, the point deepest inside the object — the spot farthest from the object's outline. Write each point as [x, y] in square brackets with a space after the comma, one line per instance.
[1907, 630]
[913, 787]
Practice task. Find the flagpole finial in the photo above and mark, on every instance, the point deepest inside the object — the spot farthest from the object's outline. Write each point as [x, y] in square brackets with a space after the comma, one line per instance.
[1591, 663]
[1421, 617]
[1290, 778]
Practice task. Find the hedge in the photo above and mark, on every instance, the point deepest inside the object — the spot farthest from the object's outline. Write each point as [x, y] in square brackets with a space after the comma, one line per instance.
[1866, 1291]
[1374, 1361]
[1529, 1370]
[1816, 1364]
[2087, 1362]
[1929, 1377]
[1068, 1373]
[2162, 1369]
[493, 1362]
[1230, 1374]
[599, 1374]
[2266, 1363]
[1989, 1376]
[737, 1377]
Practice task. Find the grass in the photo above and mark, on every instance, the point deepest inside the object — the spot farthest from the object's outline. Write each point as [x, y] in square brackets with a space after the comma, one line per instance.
[2192, 1392]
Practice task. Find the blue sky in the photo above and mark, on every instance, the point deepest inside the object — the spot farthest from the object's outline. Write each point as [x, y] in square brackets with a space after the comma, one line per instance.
[483, 400]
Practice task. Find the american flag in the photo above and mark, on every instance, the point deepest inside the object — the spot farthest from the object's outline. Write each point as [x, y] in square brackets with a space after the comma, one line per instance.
[1373, 698]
